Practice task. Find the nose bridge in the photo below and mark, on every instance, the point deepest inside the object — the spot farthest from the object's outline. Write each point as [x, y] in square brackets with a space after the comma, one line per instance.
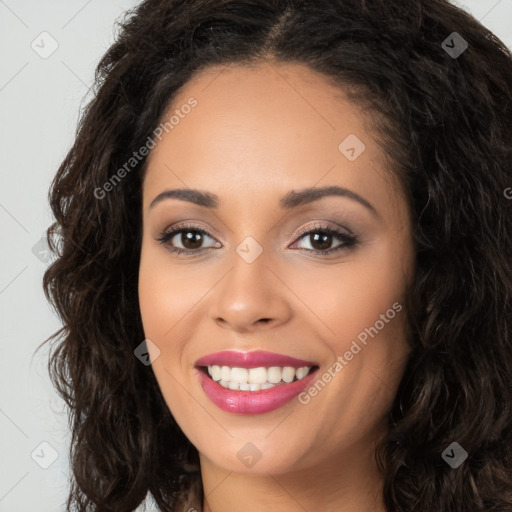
[249, 276]
[250, 291]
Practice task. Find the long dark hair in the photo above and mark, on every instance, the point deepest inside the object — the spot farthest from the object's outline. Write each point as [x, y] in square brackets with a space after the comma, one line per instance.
[444, 120]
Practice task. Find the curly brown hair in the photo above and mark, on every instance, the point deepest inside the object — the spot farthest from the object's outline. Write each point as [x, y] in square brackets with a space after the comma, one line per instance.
[445, 121]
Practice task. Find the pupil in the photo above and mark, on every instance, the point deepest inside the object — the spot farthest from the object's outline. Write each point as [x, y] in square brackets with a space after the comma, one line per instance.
[325, 241]
[191, 237]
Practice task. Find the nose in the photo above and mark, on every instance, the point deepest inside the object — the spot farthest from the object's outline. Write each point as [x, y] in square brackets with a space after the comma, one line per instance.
[251, 296]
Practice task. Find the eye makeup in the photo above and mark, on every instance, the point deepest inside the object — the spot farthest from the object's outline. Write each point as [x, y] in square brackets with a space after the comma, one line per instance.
[319, 233]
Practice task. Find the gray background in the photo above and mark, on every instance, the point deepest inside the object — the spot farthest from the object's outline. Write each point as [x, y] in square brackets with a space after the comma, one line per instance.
[40, 100]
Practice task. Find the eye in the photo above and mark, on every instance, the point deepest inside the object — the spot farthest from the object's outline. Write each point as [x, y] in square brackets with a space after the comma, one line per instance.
[322, 237]
[192, 237]
[189, 236]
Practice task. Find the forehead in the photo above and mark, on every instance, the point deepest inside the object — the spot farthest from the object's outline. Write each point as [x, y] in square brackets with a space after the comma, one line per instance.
[265, 128]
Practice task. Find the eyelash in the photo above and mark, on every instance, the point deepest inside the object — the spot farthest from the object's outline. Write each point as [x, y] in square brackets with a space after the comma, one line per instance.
[347, 239]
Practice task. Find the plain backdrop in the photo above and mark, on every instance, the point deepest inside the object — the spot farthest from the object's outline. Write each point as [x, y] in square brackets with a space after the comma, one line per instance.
[49, 50]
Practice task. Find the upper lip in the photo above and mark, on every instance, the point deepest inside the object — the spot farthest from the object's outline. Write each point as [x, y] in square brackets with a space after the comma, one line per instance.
[252, 359]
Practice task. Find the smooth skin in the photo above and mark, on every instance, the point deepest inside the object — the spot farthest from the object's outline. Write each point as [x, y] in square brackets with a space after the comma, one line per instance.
[256, 134]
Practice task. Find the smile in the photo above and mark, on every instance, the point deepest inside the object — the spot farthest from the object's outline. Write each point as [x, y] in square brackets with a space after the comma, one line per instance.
[253, 382]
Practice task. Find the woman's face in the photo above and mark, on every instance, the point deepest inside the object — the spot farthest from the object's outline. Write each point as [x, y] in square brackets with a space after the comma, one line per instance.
[252, 140]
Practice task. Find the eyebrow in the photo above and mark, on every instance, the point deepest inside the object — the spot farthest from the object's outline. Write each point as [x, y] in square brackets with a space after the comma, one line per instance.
[291, 200]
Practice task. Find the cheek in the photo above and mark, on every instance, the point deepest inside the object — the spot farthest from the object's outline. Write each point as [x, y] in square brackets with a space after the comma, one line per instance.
[170, 301]
[155, 302]
[166, 295]
[160, 308]
[166, 302]
[350, 297]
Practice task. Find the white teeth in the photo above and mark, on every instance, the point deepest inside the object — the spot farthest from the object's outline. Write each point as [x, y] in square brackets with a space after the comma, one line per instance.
[254, 379]
[225, 373]
[288, 374]
[215, 372]
[301, 372]
[257, 375]
[239, 375]
[274, 374]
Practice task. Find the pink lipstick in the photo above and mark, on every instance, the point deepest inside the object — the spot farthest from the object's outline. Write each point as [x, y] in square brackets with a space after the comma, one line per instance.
[251, 359]
[253, 382]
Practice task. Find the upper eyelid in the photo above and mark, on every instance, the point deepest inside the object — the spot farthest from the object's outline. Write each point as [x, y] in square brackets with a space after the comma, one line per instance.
[321, 227]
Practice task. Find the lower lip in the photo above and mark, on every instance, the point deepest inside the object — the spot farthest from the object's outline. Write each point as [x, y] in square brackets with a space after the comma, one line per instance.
[252, 402]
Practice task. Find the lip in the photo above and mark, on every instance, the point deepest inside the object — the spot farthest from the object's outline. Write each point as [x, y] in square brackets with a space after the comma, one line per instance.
[252, 402]
[252, 359]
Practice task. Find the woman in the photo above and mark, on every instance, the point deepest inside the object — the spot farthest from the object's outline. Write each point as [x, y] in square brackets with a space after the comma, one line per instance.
[284, 268]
